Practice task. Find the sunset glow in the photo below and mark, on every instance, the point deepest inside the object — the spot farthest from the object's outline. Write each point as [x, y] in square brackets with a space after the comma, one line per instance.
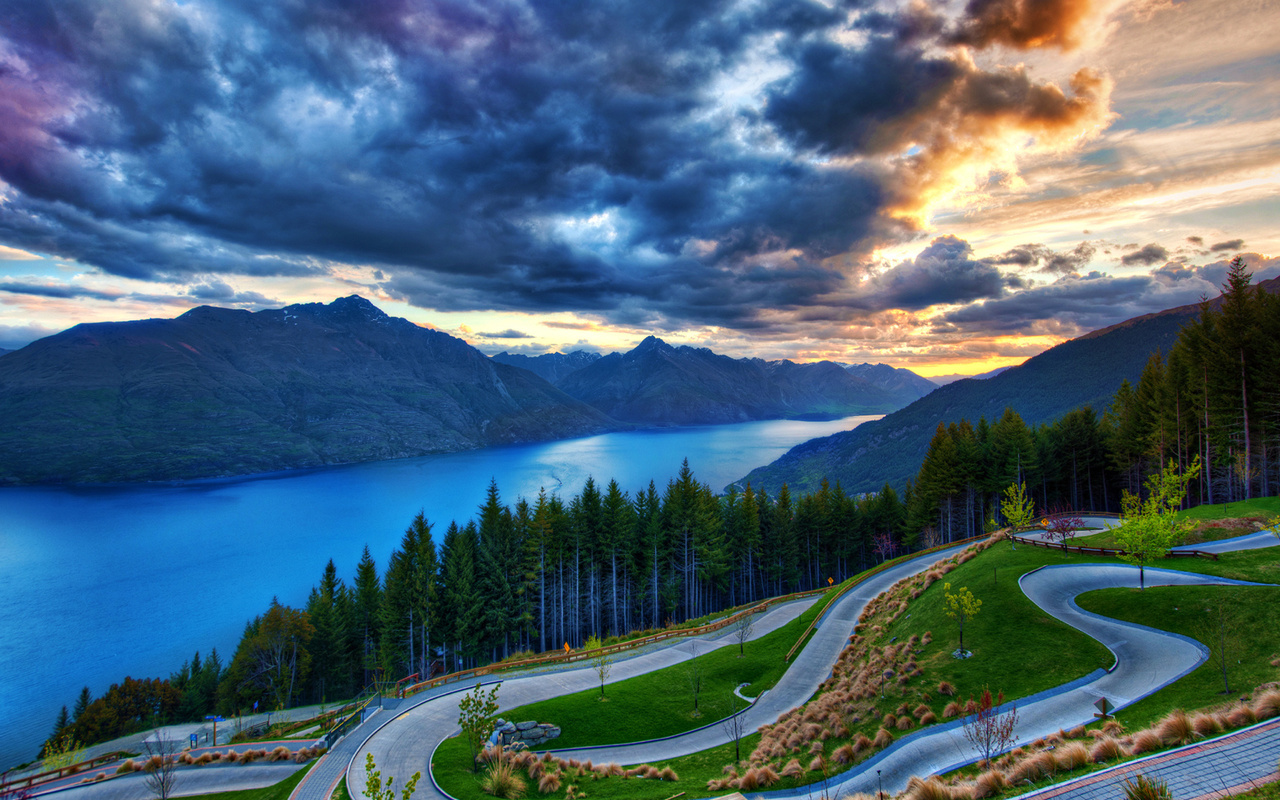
[948, 187]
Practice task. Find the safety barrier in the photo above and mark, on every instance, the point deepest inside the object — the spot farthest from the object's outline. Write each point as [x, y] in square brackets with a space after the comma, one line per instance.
[870, 573]
[580, 655]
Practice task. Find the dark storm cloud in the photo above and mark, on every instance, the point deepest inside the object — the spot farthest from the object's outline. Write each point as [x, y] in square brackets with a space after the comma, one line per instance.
[1147, 255]
[1076, 304]
[1023, 23]
[1047, 259]
[1234, 244]
[507, 334]
[943, 273]
[218, 291]
[463, 149]
[59, 291]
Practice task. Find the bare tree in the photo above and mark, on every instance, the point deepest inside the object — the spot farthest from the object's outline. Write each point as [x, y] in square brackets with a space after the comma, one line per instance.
[735, 726]
[1220, 630]
[160, 768]
[742, 631]
[990, 727]
[694, 672]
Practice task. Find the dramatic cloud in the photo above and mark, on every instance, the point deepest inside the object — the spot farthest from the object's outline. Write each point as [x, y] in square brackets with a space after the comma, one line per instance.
[60, 291]
[1097, 300]
[513, 155]
[507, 334]
[1234, 244]
[1048, 260]
[1148, 255]
[1024, 24]
[943, 273]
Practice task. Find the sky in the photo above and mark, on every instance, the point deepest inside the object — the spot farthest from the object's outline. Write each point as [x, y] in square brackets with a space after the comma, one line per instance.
[949, 187]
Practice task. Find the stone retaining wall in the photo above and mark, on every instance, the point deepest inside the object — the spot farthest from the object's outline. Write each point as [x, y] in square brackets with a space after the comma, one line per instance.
[530, 734]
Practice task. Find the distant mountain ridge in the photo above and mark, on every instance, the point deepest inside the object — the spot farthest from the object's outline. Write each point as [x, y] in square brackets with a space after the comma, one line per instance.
[943, 380]
[551, 367]
[1083, 371]
[658, 384]
[896, 380]
[219, 392]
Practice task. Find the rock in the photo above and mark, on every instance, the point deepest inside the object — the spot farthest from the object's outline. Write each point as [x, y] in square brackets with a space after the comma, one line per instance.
[524, 726]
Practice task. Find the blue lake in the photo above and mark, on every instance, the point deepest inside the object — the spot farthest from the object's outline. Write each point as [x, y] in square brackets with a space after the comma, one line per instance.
[100, 583]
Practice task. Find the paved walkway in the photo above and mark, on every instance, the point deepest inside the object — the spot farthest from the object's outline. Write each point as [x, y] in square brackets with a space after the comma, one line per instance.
[1146, 660]
[405, 747]
[1250, 541]
[187, 780]
[437, 708]
[1228, 765]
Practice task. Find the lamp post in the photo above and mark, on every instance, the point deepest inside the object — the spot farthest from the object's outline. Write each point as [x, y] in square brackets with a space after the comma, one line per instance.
[880, 785]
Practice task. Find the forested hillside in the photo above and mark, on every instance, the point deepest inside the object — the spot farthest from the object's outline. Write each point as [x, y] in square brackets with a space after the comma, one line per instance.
[218, 392]
[536, 574]
[1082, 372]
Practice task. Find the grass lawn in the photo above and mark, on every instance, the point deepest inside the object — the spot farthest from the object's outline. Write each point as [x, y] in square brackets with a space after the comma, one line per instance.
[279, 791]
[660, 703]
[1016, 649]
[450, 771]
[1214, 522]
[1058, 654]
[1253, 640]
[1269, 791]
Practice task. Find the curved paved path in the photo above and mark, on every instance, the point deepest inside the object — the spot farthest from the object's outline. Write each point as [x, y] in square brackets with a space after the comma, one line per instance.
[404, 746]
[1146, 660]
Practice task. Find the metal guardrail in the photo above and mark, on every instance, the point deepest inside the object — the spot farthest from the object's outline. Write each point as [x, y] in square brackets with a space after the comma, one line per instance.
[580, 655]
[1107, 551]
[870, 573]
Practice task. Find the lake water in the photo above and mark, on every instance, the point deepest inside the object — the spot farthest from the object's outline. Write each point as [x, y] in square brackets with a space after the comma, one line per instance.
[100, 583]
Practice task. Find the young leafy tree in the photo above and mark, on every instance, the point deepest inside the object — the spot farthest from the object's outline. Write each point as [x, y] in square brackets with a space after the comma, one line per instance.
[476, 713]
[961, 606]
[1151, 526]
[373, 788]
[1018, 508]
[1062, 525]
[990, 728]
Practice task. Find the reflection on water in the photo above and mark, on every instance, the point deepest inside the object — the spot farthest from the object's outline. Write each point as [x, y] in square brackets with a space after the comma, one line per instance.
[99, 583]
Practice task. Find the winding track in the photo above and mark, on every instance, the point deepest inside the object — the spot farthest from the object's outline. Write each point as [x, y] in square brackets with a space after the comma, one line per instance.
[404, 746]
[1145, 661]
[402, 738]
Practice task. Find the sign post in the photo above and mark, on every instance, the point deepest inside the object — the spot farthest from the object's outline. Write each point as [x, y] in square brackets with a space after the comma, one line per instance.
[216, 719]
[1103, 706]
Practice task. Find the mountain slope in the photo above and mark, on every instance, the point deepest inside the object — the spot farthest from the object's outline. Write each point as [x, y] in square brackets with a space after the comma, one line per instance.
[658, 384]
[219, 392]
[551, 367]
[1083, 371]
[897, 381]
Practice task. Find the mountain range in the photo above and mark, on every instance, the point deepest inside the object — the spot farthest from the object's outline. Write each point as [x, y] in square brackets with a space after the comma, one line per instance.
[218, 392]
[551, 367]
[1083, 371]
[659, 384]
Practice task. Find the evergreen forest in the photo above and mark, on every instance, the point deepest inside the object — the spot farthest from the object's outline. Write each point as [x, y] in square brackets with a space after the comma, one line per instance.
[544, 572]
